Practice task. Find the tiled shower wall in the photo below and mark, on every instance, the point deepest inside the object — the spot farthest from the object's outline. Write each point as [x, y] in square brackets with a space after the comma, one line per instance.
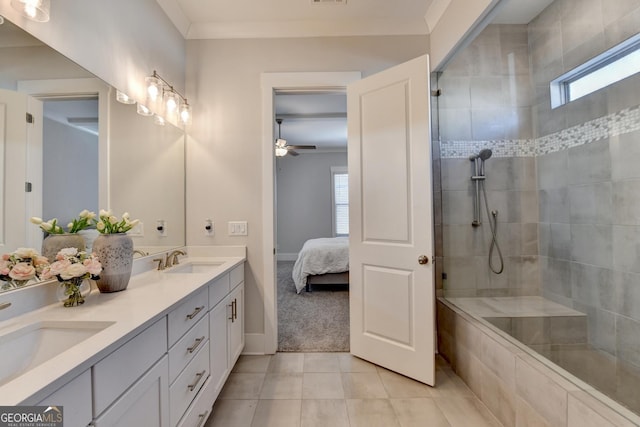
[588, 168]
[486, 102]
[566, 182]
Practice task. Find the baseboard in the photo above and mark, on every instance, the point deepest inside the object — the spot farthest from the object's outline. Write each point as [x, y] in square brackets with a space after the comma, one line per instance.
[287, 257]
[253, 344]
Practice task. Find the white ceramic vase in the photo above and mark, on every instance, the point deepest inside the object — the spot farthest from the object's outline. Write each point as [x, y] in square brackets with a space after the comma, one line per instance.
[52, 244]
[115, 253]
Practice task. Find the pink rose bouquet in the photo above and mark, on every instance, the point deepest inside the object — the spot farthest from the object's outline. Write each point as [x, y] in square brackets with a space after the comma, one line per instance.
[21, 266]
[71, 268]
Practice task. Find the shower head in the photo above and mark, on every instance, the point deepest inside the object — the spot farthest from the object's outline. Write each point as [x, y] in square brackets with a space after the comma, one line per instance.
[485, 154]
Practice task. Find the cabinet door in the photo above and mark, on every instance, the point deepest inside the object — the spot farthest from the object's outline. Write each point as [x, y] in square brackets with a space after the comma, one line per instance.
[236, 324]
[75, 398]
[146, 403]
[218, 342]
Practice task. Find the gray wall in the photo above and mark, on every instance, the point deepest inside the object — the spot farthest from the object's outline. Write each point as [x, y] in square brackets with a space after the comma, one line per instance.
[590, 191]
[485, 103]
[570, 175]
[304, 206]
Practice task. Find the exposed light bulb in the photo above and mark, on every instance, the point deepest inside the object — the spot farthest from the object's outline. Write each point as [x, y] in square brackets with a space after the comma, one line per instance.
[154, 86]
[143, 110]
[281, 151]
[185, 113]
[171, 102]
[124, 98]
[36, 10]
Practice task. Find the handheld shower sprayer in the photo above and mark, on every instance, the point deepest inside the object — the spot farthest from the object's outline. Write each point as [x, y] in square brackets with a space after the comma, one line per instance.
[478, 178]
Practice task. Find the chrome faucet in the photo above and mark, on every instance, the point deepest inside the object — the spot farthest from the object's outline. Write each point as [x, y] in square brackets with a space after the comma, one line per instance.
[139, 252]
[172, 258]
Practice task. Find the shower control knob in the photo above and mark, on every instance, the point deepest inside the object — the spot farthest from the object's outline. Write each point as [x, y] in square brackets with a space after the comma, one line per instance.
[423, 259]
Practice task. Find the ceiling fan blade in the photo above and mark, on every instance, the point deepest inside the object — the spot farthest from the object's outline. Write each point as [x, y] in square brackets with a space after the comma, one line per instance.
[294, 153]
[302, 147]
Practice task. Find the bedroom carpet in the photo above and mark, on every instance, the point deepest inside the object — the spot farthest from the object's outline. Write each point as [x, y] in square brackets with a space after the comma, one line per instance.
[316, 321]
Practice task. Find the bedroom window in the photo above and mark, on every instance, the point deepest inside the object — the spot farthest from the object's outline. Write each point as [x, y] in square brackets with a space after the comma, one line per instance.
[340, 200]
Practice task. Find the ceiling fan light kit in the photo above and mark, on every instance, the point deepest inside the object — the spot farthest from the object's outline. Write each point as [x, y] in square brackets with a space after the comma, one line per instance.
[281, 147]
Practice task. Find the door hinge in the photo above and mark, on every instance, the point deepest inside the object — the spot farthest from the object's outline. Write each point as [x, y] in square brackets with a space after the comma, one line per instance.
[29, 118]
[444, 276]
[436, 92]
[27, 187]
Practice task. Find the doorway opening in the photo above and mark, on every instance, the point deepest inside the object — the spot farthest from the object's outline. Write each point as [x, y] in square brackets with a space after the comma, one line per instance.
[312, 219]
[70, 155]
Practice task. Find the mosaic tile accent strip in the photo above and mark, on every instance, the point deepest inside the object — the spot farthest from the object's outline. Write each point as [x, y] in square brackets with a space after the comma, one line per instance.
[620, 123]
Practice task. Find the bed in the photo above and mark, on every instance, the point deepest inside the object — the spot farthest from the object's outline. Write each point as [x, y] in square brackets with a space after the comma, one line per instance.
[324, 260]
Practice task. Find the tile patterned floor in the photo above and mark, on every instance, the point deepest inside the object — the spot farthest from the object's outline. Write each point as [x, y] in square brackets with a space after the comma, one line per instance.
[340, 390]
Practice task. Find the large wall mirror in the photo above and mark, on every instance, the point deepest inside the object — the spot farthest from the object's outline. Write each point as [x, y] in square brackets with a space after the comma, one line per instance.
[84, 150]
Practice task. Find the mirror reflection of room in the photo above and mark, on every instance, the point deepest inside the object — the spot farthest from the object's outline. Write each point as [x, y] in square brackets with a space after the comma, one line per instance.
[76, 121]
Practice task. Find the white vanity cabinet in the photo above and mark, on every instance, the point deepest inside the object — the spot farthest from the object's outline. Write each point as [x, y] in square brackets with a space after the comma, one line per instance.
[131, 385]
[75, 399]
[226, 325]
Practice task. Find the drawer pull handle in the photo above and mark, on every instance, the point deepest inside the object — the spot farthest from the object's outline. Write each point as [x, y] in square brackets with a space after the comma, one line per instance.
[199, 376]
[195, 312]
[203, 418]
[195, 345]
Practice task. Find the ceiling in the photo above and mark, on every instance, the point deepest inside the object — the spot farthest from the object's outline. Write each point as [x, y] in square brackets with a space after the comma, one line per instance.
[213, 19]
[210, 19]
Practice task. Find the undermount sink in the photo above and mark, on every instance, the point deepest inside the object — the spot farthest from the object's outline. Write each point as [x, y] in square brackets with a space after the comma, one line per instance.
[38, 342]
[195, 267]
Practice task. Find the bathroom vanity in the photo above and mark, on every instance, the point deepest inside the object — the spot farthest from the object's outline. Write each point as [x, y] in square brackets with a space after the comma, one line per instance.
[155, 354]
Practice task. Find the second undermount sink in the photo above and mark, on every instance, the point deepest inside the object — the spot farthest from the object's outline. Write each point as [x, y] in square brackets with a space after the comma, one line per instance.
[36, 343]
[195, 267]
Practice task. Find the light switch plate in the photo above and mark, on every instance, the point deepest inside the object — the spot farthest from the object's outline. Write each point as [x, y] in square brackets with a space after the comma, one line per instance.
[238, 228]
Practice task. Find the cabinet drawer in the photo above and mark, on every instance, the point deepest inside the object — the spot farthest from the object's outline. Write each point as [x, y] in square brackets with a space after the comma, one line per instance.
[236, 276]
[119, 370]
[187, 347]
[218, 290]
[188, 383]
[75, 398]
[187, 314]
[200, 409]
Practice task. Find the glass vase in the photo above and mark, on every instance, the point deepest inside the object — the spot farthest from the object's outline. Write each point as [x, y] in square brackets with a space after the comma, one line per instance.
[73, 292]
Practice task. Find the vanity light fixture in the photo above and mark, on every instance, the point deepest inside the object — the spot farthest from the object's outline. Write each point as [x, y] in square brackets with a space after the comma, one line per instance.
[124, 98]
[159, 120]
[143, 110]
[35, 10]
[174, 105]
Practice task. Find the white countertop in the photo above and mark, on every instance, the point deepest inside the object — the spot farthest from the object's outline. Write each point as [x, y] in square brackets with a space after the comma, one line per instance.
[149, 296]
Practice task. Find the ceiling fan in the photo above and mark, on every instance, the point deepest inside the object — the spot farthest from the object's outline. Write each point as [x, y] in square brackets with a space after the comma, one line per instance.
[282, 149]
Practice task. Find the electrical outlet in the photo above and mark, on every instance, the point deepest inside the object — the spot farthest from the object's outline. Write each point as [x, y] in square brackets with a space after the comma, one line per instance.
[238, 228]
[209, 228]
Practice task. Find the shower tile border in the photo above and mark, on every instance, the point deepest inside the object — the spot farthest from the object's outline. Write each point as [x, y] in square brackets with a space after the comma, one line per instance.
[619, 123]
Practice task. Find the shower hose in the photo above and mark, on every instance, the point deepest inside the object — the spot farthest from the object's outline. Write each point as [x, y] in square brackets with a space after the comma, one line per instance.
[493, 225]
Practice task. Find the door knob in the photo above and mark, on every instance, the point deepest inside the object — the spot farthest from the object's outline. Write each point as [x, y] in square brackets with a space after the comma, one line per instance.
[423, 259]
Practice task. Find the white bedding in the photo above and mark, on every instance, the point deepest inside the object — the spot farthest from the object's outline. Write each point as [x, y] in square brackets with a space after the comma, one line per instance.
[320, 256]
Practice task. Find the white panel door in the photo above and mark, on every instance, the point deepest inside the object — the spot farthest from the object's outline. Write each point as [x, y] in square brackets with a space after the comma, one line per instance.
[391, 234]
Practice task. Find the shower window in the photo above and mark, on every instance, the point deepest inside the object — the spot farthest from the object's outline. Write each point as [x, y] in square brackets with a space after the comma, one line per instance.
[616, 64]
